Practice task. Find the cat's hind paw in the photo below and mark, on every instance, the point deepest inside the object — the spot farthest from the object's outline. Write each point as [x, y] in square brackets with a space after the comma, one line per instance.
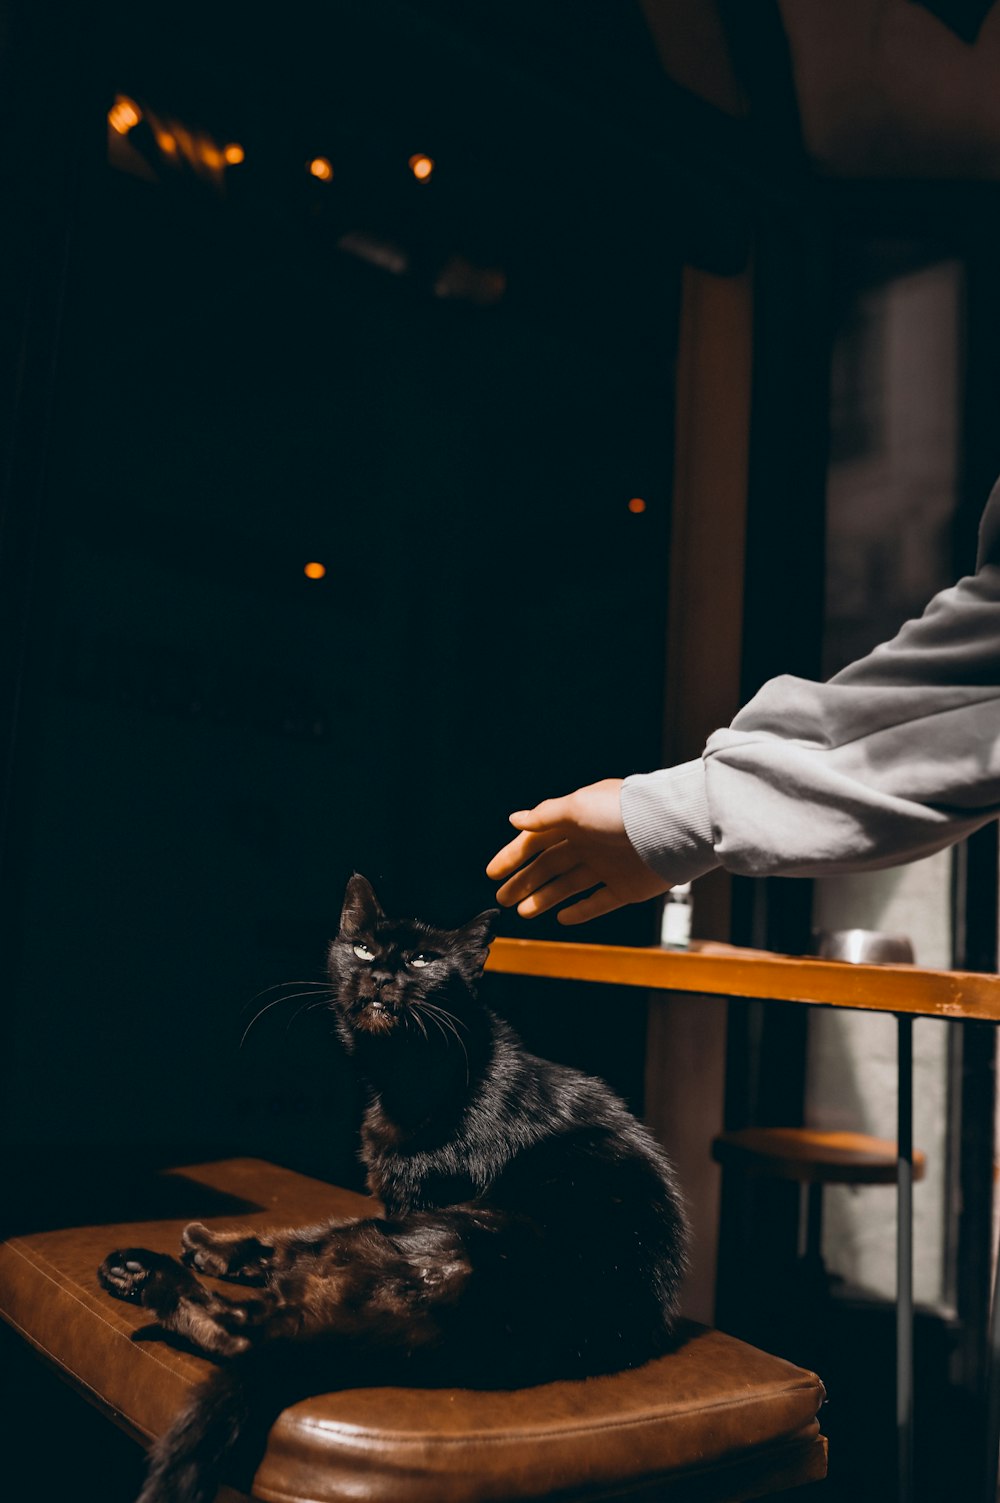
[142, 1277]
[225, 1255]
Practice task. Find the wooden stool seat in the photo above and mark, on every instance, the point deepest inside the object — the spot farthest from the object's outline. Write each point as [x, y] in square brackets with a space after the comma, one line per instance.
[714, 1421]
[811, 1156]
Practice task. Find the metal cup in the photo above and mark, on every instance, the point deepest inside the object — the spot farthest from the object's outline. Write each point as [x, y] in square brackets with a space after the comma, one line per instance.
[863, 947]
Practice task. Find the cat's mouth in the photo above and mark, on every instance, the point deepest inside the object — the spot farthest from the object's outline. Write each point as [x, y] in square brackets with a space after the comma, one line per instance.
[376, 1015]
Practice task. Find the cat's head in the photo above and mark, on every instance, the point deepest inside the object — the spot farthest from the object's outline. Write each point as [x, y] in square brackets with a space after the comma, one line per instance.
[385, 971]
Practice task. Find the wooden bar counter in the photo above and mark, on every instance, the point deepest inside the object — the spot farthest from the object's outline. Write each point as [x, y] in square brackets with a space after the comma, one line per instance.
[721, 970]
[711, 969]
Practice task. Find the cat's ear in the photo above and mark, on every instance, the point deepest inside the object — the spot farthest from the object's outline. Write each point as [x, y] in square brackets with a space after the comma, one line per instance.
[361, 908]
[472, 941]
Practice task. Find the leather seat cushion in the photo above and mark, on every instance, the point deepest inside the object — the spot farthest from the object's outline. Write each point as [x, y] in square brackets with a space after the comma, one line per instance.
[708, 1406]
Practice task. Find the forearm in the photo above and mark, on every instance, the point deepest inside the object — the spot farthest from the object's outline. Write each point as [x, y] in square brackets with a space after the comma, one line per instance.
[894, 758]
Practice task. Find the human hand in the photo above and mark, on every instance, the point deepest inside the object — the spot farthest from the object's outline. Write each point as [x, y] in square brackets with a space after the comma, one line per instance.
[570, 845]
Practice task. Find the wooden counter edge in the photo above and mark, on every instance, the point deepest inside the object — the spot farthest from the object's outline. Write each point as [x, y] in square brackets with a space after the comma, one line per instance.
[725, 971]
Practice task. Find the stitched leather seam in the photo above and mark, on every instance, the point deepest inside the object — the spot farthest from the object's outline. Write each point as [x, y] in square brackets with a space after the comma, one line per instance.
[91, 1310]
[384, 1438]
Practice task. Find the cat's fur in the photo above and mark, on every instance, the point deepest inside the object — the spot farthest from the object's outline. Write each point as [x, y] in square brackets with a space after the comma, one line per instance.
[532, 1228]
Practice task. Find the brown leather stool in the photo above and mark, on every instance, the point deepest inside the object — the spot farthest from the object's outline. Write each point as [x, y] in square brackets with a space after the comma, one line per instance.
[715, 1421]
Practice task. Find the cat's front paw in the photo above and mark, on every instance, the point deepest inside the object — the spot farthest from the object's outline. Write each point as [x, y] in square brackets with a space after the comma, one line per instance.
[141, 1276]
[226, 1255]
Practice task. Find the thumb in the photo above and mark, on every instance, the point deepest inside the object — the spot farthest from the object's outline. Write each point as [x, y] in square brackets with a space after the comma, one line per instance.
[550, 813]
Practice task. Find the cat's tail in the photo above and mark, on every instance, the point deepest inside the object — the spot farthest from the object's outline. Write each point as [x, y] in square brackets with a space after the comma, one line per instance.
[224, 1428]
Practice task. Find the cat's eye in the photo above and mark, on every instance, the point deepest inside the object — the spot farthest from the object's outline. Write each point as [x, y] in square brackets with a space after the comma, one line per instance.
[421, 959]
[363, 952]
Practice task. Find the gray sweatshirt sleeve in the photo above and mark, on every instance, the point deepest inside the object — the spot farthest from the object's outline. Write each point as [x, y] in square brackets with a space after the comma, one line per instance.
[892, 759]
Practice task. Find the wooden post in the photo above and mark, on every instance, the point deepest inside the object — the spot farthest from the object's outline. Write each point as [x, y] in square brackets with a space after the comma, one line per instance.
[686, 1039]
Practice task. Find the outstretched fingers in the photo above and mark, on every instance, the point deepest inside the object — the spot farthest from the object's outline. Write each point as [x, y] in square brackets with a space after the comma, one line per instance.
[579, 878]
[523, 848]
[599, 902]
[551, 863]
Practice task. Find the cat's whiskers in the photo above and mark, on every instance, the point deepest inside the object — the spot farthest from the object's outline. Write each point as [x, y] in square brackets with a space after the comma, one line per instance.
[413, 1012]
[421, 1006]
[446, 1022]
[444, 1013]
[307, 1007]
[276, 1001]
[279, 984]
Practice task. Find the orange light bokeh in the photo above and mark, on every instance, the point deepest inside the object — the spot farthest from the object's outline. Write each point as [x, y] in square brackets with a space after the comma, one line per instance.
[124, 114]
[637, 505]
[421, 166]
[320, 167]
[234, 154]
[166, 142]
[314, 571]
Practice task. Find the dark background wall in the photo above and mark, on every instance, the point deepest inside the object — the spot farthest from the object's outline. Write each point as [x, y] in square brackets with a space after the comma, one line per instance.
[209, 742]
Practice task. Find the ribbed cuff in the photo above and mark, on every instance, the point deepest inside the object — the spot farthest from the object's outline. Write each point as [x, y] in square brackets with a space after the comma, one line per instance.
[668, 822]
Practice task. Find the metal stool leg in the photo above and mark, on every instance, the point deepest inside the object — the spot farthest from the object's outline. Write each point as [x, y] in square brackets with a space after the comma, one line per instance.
[904, 1262]
[814, 1225]
[991, 1468]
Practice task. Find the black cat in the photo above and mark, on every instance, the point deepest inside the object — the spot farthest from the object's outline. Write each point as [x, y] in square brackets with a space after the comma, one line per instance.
[532, 1228]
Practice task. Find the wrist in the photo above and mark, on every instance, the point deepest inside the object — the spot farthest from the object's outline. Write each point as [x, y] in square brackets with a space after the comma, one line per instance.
[667, 820]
